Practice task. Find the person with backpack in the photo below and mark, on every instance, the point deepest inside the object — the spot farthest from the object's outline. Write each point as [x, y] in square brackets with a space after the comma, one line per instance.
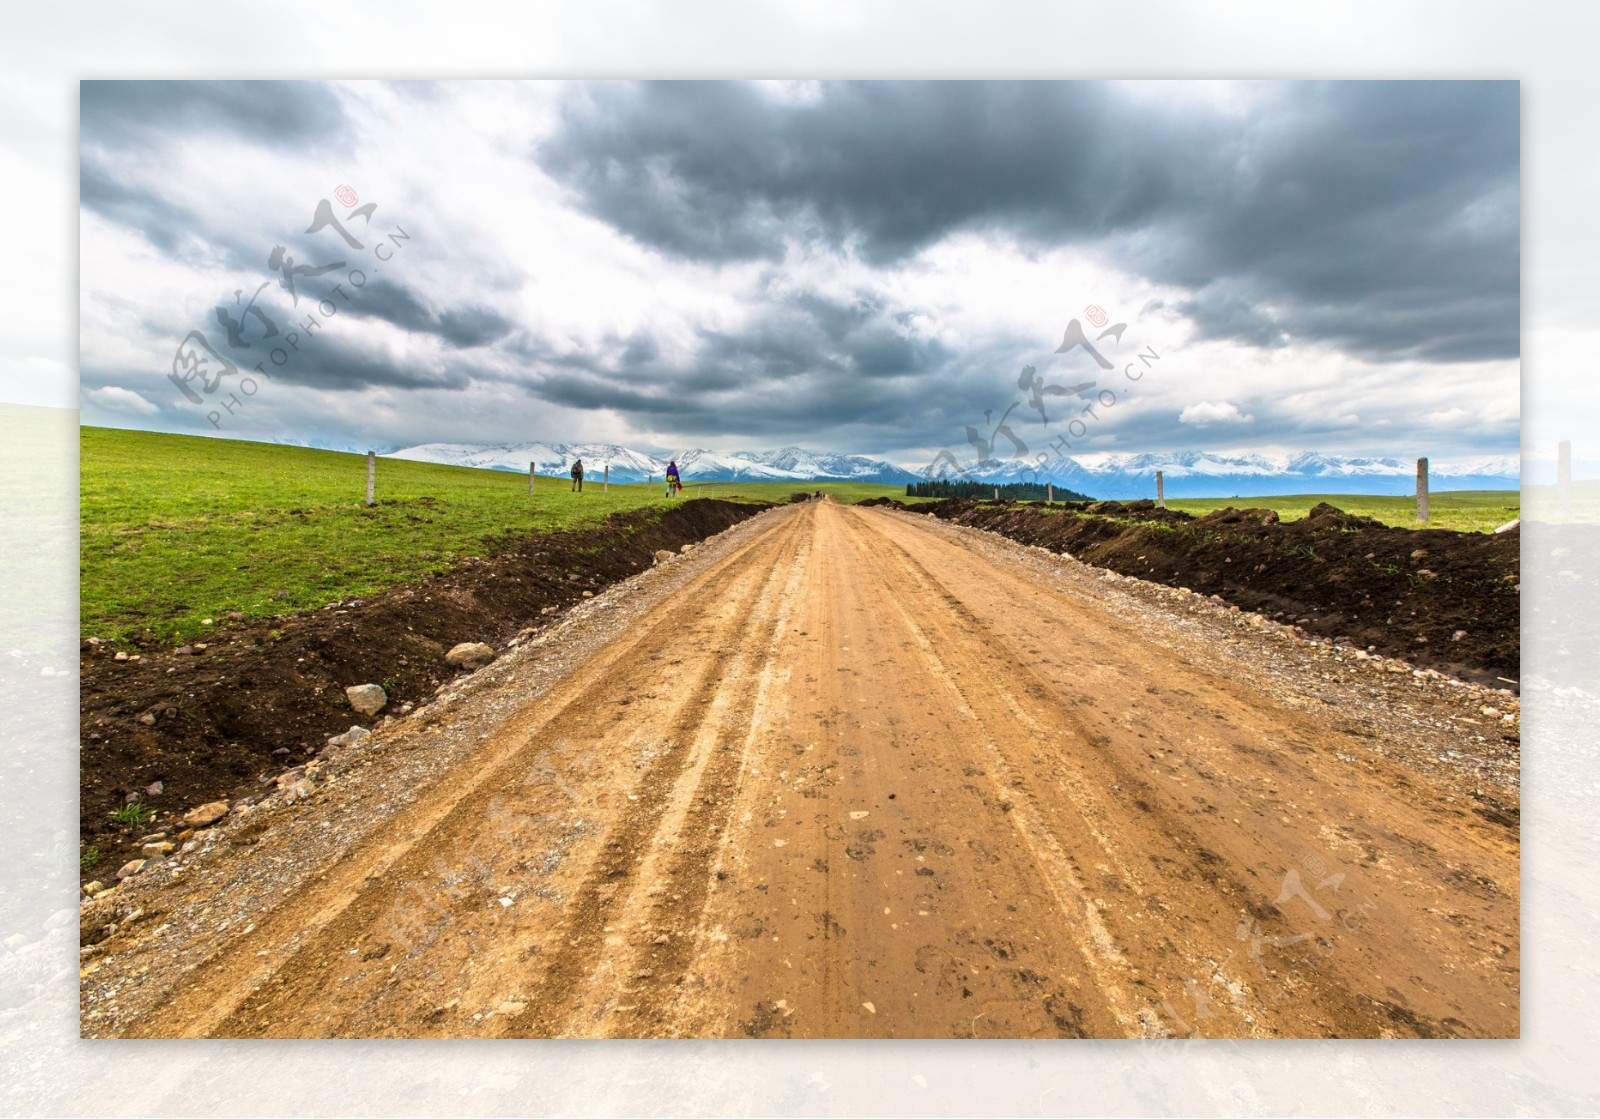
[674, 482]
[577, 476]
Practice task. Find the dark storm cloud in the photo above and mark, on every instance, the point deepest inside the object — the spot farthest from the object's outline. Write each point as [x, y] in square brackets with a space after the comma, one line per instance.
[340, 363]
[1382, 218]
[807, 334]
[1219, 315]
[719, 171]
[202, 239]
[805, 361]
[128, 126]
[462, 327]
[126, 114]
[465, 327]
[164, 223]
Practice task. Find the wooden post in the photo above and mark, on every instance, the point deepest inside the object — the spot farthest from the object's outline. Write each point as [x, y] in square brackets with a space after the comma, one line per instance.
[372, 477]
[530, 479]
[1564, 478]
[605, 480]
[1161, 491]
[1050, 493]
[1422, 490]
[650, 483]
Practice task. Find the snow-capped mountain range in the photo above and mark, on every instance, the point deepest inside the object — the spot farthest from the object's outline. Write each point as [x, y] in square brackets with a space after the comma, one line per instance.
[791, 464]
[1101, 475]
[1205, 474]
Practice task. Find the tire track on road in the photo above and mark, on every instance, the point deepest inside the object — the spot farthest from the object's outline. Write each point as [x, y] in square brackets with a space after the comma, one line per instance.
[403, 854]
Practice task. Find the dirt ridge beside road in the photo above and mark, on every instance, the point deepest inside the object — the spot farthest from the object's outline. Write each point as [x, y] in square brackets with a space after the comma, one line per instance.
[1435, 597]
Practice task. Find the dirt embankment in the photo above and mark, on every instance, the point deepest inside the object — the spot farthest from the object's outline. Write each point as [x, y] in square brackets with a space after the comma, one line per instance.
[1439, 599]
[228, 714]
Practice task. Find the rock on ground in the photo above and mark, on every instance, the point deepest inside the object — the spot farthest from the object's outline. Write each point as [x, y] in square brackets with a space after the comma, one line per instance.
[469, 655]
[206, 814]
[366, 699]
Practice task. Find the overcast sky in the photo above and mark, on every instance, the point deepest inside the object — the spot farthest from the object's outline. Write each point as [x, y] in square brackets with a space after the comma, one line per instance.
[854, 267]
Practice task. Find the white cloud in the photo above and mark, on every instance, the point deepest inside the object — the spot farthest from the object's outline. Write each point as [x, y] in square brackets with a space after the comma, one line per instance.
[1207, 412]
[612, 339]
[114, 398]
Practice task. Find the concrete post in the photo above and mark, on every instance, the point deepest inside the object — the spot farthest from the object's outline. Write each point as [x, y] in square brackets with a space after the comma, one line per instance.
[530, 479]
[372, 478]
[1161, 491]
[1422, 490]
[605, 480]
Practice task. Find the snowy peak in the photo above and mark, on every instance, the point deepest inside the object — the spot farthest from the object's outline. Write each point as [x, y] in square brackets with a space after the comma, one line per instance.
[696, 465]
[549, 458]
[1206, 474]
[1103, 474]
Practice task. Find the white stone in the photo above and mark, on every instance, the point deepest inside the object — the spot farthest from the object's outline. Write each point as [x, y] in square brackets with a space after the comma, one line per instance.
[469, 655]
[366, 699]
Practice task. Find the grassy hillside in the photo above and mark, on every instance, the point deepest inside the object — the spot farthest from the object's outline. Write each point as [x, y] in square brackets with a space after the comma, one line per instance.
[1462, 510]
[176, 529]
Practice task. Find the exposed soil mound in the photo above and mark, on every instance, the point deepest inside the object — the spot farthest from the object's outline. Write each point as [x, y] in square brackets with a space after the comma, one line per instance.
[1232, 516]
[256, 698]
[1442, 599]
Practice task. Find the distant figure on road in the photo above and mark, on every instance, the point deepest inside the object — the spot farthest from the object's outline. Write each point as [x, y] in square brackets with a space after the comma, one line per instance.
[817, 496]
[674, 483]
[577, 476]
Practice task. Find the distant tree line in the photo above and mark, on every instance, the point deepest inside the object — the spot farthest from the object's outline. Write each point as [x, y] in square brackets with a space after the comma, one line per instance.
[1012, 491]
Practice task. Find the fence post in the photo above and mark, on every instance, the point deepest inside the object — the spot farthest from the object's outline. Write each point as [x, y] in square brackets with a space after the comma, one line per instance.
[1161, 491]
[372, 477]
[1422, 490]
[530, 479]
[605, 480]
[1050, 493]
[997, 493]
[1564, 478]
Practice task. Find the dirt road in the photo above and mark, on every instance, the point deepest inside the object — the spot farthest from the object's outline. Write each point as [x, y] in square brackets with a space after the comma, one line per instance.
[852, 772]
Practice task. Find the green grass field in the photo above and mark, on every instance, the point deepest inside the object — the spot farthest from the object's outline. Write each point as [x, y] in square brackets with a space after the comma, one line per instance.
[1462, 510]
[175, 529]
